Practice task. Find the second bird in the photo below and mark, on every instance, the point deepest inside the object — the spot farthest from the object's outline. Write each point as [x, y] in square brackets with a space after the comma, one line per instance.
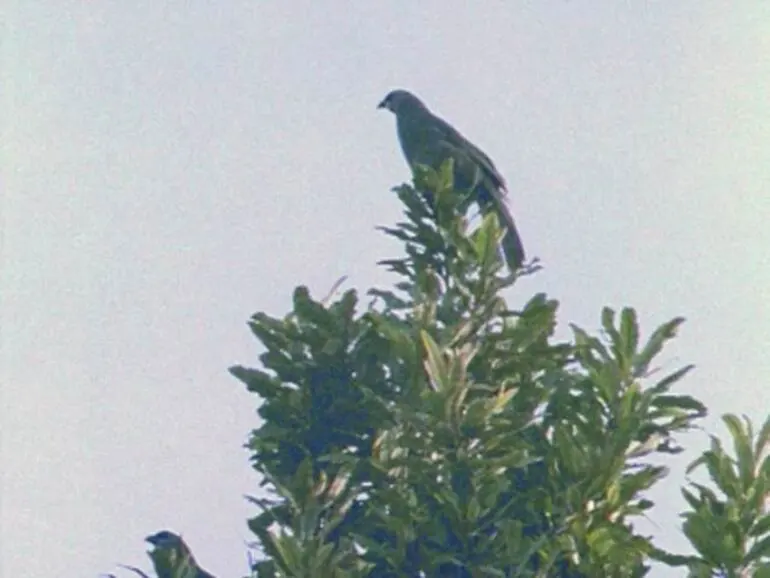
[428, 140]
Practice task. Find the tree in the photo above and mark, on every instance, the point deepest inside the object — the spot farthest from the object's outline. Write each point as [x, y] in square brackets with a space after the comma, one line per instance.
[437, 431]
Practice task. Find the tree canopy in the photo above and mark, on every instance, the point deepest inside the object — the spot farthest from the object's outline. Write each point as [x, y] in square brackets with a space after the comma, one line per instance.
[433, 429]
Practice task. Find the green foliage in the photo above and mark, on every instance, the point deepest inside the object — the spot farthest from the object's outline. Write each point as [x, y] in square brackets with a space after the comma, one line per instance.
[436, 431]
[728, 523]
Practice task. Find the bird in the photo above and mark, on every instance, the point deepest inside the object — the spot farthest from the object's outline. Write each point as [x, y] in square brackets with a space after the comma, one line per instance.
[172, 558]
[429, 140]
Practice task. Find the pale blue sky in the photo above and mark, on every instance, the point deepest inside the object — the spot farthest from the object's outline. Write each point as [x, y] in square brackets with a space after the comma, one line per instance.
[170, 168]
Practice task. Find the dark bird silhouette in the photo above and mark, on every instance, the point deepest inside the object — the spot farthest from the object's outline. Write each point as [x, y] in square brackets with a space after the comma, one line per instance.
[172, 558]
[428, 140]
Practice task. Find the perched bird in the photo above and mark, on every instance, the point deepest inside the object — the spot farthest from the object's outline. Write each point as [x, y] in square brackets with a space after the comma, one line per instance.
[172, 558]
[428, 140]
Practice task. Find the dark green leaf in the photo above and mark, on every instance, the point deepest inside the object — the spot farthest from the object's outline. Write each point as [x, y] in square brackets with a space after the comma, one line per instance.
[742, 445]
[665, 384]
[256, 380]
[655, 344]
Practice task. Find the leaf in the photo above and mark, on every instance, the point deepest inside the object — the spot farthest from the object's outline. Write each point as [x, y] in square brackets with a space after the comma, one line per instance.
[684, 402]
[665, 384]
[742, 446]
[435, 365]
[655, 344]
[712, 540]
[390, 299]
[629, 403]
[587, 346]
[721, 470]
[400, 233]
[273, 333]
[673, 559]
[629, 332]
[256, 380]
[289, 553]
[760, 550]
[445, 175]
[757, 493]
[321, 559]
[486, 238]
[399, 266]
[608, 324]
[763, 440]
[708, 497]
[761, 526]
[502, 399]
[695, 503]
[632, 484]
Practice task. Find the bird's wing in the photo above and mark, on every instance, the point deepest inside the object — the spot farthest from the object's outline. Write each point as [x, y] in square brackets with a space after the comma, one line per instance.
[470, 159]
[452, 139]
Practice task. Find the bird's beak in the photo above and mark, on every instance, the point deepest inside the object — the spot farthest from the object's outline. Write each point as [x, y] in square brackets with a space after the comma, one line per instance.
[383, 104]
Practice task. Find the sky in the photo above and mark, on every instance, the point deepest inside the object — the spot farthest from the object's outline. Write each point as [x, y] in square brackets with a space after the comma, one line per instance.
[170, 168]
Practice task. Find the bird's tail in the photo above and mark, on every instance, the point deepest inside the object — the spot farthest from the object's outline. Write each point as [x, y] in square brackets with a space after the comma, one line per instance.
[513, 249]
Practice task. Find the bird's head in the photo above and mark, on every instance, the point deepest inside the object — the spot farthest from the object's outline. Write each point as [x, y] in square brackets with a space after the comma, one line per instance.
[172, 558]
[164, 539]
[399, 101]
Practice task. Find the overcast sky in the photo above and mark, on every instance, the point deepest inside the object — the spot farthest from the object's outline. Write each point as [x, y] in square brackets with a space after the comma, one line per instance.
[171, 168]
